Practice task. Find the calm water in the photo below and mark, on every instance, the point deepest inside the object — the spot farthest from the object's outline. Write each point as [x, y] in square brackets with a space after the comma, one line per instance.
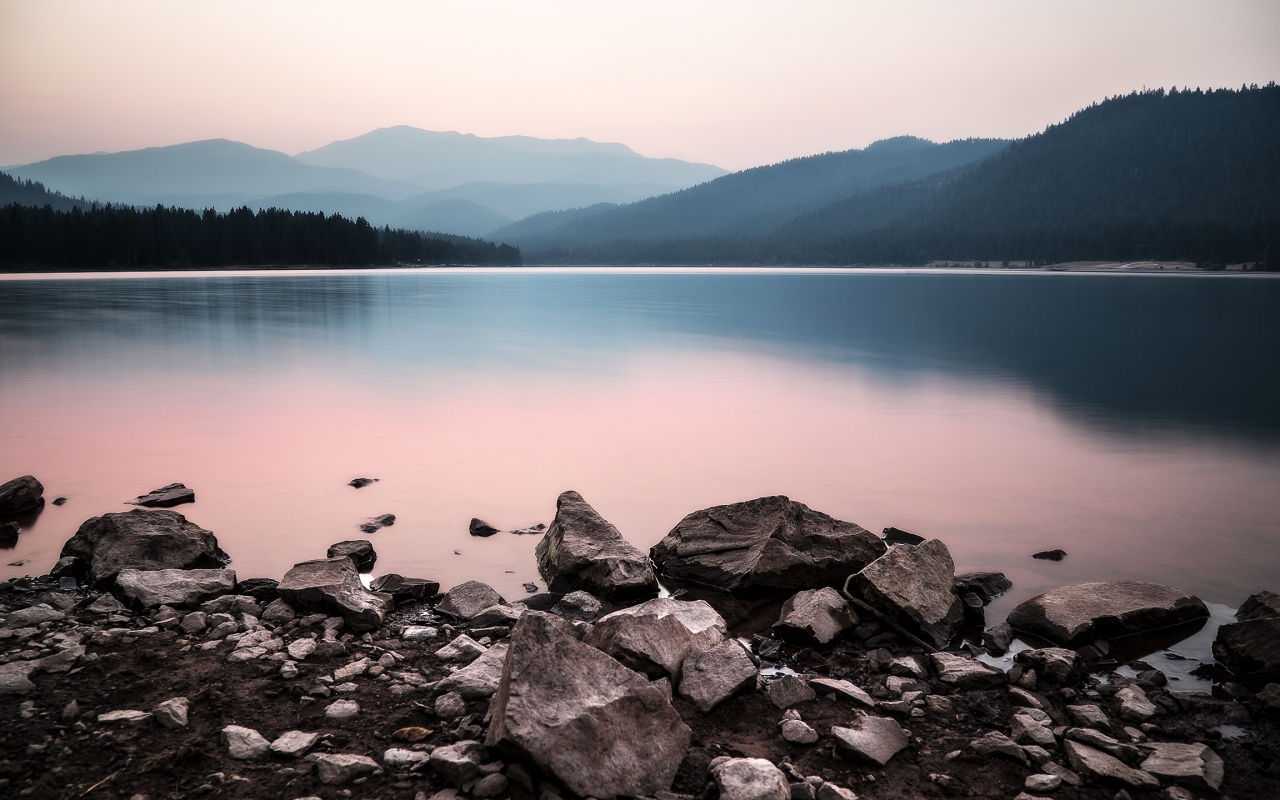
[1131, 420]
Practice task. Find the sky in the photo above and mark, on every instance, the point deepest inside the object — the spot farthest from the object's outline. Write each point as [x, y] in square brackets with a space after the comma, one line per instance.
[736, 84]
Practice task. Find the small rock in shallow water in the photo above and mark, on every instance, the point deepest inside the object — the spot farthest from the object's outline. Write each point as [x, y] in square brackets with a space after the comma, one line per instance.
[360, 483]
[898, 536]
[165, 497]
[1050, 555]
[57, 501]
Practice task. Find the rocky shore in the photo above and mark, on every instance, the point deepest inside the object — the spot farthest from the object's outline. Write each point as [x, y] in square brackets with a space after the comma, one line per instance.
[791, 656]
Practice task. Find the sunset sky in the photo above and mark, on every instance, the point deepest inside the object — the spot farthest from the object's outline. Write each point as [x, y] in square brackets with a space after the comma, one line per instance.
[736, 84]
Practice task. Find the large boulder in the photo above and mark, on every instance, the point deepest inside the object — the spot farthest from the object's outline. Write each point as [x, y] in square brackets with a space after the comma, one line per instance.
[582, 550]
[913, 585]
[814, 616]
[1260, 605]
[173, 587]
[142, 539]
[332, 585]
[767, 543]
[599, 728]
[1075, 615]
[358, 550]
[657, 636]
[1250, 649]
[20, 494]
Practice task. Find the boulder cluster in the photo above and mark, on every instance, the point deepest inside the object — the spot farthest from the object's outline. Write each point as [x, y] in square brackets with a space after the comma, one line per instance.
[142, 665]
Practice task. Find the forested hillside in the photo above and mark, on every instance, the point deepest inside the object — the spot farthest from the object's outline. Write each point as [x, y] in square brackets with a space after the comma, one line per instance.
[34, 193]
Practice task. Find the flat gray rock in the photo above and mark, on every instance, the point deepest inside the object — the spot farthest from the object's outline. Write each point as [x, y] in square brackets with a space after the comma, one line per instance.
[966, 673]
[788, 691]
[1194, 765]
[186, 588]
[31, 616]
[458, 763]
[582, 550]
[750, 779]
[333, 586]
[875, 739]
[598, 727]
[334, 769]
[143, 539]
[466, 600]
[165, 497]
[913, 585]
[814, 616]
[843, 688]
[480, 678]
[1075, 615]
[770, 542]
[657, 636]
[712, 676]
[1100, 766]
[294, 744]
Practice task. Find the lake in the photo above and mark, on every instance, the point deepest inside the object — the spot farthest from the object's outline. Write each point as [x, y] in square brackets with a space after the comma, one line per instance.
[1131, 420]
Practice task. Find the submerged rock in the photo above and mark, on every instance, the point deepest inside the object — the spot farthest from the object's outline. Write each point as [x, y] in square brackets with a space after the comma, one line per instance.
[768, 543]
[142, 539]
[466, 600]
[359, 551]
[657, 636]
[174, 587]
[479, 527]
[598, 727]
[20, 494]
[404, 590]
[175, 494]
[1071, 616]
[582, 550]
[913, 585]
[1050, 555]
[814, 616]
[1250, 649]
[332, 585]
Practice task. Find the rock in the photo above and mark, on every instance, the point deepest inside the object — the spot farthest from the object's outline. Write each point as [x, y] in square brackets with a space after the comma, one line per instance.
[278, 612]
[1042, 783]
[20, 494]
[1194, 765]
[418, 633]
[127, 718]
[294, 744]
[399, 757]
[299, 649]
[1053, 664]
[68, 567]
[830, 791]
[358, 550]
[106, 604]
[581, 606]
[194, 623]
[997, 639]
[798, 732]
[496, 616]
[172, 713]
[450, 705]
[986, 585]
[342, 709]
[750, 779]
[598, 727]
[709, 677]
[173, 587]
[404, 590]
[489, 786]
[261, 589]
[333, 585]
[657, 636]
[1087, 715]
[142, 539]
[788, 691]
[814, 616]
[995, 743]
[876, 739]
[582, 550]
[843, 688]
[15, 677]
[32, 616]
[244, 744]
[770, 542]
[175, 494]
[479, 527]
[1071, 616]
[458, 763]
[1250, 649]
[1130, 703]
[480, 678]
[1027, 729]
[360, 483]
[463, 648]
[1050, 555]
[898, 536]
[966, 673]
[466, 600]
[1259, 606]
[913, 586]
[1098, 765]
[334, 769]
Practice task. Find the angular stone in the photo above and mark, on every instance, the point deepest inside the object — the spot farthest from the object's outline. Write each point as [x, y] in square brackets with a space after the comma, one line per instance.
[1097, 765]
[463, 648]
[1130, 703]
[788, 691]
[582, 550]
[174, 494]
[31, 616]
[352, 670]
[195, 622]
[172, 713]
[1087, 715]
[876, 739]
[750, 779]
[244, 744]
[142, 539]
[480, 678]
[299, 649]
[814, 616]
[711, 676]
[458, 763]
[1194, 765]
[127, 718]
[20, 494]
[499, 615]
[986, 585]
[1028, 730]
[360, 551]
[798, 732]
[1075, 615]
[334, 769]
[843, 688]
[333, 585]
[294, 744]
[995, 743]
[1251, 650]
[966, 673]
[466, 600]
[580, 606]
[404, 590]
[399, 757]
[598, 727]
[1054, 664]
[173, 587]
[770, 542]
[1259, 606]
[1042, 783]
[913, 586]
[657, 636]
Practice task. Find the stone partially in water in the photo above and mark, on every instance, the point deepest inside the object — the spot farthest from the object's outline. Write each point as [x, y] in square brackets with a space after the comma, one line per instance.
[333, 585]
[175, 494]
[20, 494]
[142, 539]
[913, 585]
[359, 551]
[1071, 616]
[582, 550]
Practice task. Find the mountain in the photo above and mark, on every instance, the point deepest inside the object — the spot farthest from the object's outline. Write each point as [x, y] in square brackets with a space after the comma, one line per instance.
[33, 193]
[755, 200]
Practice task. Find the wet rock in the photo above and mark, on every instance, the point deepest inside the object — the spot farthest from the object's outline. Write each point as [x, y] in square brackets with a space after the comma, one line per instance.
[876, 739]
[986, 585]
[462, 648]
[580, 606]
[125, 718]
[294, 744]
[360, 551]
[657, 636]
[173, 587]
[1053, 664]
[598, 727]
[385, 520]
[750, 779]
[1099, 766]
[466, 600]
[1130, 703]
[966, 673]
[175, 494]
[1050, 555]
[995, 743]
[1194, 765]
[1250, 649]
[244, 744]
[32, 616]
[843, 688]
[788, 691]
[142, 539]
[798, 732]
[913, 586]
[404, 590]
[360, 483]
[458, 763]
[261, 589]
[771, 542]
[334, 769]
[479, 527]
[898, 536]
[172, 713]
[333, 585]
[480, 678]
[709, 677]
[1071, 616]
[814, 616]
[1259, 606]
[20, 494]
[997, 639]
[582, 550]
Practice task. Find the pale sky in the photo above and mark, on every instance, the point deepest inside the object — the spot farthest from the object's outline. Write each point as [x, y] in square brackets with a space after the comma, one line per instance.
[735, 84]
